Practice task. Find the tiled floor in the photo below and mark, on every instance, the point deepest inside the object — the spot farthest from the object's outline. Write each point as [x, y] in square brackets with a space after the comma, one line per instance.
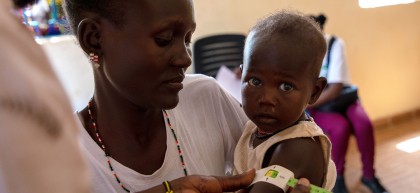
[399, 171]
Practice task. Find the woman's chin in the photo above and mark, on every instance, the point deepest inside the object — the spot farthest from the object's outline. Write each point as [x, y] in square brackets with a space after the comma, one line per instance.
[170, 103]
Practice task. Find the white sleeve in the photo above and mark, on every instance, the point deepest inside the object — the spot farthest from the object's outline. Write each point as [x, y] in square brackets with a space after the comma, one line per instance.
[232, 115]
[216, 110]
[338, 68]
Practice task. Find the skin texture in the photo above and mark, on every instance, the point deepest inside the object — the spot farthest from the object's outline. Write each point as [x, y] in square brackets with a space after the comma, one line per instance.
[279, 80]
[142, 66]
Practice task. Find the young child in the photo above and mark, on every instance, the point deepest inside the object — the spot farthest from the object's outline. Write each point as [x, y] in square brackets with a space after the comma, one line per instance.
[280, 77]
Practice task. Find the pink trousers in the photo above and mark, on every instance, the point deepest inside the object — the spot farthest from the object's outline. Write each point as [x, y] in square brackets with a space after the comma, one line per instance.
[339, 127]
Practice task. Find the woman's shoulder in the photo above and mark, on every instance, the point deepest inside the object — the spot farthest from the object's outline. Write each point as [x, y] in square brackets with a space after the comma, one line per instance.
[199, 80]
[204, 90]
[199, 85]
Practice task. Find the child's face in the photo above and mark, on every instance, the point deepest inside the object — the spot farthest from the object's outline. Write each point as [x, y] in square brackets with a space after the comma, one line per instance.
[145, 58]
[277, 82]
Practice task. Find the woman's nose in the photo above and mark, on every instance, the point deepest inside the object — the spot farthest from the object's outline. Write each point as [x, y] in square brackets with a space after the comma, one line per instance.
[182, 57]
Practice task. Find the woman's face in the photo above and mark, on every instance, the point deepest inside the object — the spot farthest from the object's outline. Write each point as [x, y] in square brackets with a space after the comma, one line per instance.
[143, 60]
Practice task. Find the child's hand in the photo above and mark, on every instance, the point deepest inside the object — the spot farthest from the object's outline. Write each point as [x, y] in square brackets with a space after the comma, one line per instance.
[301, 187]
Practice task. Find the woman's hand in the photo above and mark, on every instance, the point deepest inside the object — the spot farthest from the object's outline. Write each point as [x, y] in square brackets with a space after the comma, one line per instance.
[212, 184]
[218, 184]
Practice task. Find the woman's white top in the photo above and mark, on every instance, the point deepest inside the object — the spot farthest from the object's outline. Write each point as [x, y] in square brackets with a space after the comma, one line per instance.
[208, 123]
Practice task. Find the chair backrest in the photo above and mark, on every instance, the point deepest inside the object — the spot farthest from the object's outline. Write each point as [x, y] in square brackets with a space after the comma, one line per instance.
[210, 53]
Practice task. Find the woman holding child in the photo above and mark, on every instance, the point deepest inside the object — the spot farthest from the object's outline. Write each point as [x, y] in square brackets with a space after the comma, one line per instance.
[141, 129]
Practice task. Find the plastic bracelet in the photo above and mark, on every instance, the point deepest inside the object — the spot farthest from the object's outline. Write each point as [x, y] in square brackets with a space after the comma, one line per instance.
[276, 175]
[313, 189]
[168, 187]
[282, 178]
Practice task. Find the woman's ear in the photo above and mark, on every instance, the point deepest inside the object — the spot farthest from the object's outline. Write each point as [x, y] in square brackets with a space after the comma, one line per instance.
[89, 35]
[319, 86]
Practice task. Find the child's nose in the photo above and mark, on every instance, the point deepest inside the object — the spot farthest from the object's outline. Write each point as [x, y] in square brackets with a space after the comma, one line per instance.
[268, 98]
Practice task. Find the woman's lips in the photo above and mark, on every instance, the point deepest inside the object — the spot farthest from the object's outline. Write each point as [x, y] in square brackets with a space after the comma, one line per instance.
[176, 83]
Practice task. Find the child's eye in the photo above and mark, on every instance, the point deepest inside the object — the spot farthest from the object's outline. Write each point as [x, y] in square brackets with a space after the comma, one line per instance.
[286, 87]
[254, 82]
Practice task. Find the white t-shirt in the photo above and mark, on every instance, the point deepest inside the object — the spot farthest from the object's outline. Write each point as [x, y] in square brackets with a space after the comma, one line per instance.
[39, 151]
[208, 123]
[338, 71]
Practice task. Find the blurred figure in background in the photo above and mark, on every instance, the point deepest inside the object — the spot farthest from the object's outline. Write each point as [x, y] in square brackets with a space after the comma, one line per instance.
[40, 13]
[340, 124]
[39, 151]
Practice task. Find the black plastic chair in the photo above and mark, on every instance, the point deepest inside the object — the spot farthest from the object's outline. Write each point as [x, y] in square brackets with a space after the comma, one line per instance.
[212, 52]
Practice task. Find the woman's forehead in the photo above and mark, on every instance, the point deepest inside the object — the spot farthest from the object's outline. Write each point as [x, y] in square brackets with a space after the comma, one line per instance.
[154, 11]
[153, 8]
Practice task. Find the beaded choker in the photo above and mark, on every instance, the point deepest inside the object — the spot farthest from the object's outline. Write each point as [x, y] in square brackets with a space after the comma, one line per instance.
[108, 156]
[261, 134]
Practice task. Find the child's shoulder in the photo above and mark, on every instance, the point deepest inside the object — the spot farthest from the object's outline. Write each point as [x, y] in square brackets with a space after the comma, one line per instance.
[303, 156]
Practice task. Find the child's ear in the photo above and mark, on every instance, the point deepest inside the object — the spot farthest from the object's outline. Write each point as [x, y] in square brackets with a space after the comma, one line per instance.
[319, 86]
[89, 35]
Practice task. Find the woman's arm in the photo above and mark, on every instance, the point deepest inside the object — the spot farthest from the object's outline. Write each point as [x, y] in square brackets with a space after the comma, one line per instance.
[332, 91]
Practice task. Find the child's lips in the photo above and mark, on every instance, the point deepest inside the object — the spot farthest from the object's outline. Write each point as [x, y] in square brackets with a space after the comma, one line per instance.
[265, 119]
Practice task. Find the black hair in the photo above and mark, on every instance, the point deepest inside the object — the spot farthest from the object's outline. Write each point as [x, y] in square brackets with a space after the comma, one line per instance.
[295, 26]
[320, 19]
[23, 3]
[76, 10]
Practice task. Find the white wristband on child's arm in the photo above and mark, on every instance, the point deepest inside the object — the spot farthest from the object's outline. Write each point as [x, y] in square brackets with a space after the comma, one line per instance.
[282, 178]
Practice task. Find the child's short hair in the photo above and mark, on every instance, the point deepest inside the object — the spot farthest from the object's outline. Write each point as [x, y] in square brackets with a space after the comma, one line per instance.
[295, 26]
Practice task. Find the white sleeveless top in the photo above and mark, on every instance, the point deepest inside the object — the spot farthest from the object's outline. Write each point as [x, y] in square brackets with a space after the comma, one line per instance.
[247, 157]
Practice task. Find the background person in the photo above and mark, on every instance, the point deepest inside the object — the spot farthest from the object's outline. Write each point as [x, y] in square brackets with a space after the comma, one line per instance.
[340, 125]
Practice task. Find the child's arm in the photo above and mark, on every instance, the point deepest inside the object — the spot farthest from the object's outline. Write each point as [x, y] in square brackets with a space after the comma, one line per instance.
[303, 156]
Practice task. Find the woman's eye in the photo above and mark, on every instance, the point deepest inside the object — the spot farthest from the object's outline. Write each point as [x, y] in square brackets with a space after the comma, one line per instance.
[188, 40]
[254, 82]
[164, 38]
[188, 43]
[162, 42]
[286, 87]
